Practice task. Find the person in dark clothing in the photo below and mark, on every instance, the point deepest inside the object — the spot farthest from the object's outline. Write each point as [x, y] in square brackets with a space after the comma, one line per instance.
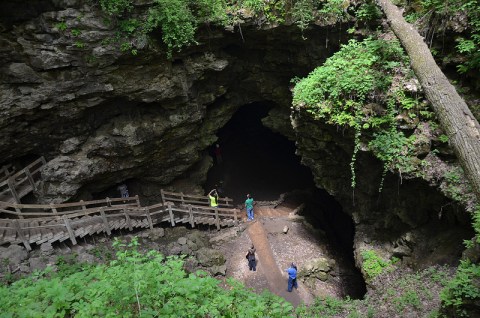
[252, 262]
[218, 154]
[292, 277]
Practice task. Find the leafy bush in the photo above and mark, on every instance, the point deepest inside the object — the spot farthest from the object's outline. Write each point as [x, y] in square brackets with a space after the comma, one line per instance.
[393, 148]
[373, 265]
[133, 285]
[116, 7]
[463, 289]
[358, 75]
[440, 12]
[176, 21]
[326, 307]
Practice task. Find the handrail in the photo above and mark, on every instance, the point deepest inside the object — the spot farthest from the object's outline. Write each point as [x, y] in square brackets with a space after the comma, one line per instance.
[79, 218]
[191, 198]
[80, 204]
[19, 173]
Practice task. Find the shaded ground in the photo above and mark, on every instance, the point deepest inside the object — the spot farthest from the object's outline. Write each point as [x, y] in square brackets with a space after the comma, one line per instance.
[276, 250]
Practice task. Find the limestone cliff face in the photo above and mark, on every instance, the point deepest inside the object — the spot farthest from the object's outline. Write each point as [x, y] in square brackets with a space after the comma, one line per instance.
[410, 219]
[101, 116]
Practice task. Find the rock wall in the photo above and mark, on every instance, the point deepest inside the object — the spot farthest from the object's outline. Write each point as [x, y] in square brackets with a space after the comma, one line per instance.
[409, 219]
[102, 116]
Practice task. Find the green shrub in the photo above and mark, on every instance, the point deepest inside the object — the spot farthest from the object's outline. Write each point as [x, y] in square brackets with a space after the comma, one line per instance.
[357, 76]
[133, 285]
[463, 289]
[373, 265]
[441, 12]
[116, 7]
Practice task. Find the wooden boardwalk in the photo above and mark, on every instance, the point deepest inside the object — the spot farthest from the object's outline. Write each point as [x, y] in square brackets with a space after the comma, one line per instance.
[38, 223]
[13, 187]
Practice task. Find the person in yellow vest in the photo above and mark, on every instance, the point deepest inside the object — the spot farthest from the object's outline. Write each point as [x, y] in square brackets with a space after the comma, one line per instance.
[213, 197]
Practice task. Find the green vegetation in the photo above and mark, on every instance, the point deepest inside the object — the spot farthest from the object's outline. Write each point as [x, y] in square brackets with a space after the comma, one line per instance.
[178, 20]
[398, 294]
[133, 285]
[373, 265]
[436, 13]
[463, 289]
[349, 90]
[326, 307]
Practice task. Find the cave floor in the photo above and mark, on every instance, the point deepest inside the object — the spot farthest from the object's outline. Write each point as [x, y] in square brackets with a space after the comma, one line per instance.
[276, 250]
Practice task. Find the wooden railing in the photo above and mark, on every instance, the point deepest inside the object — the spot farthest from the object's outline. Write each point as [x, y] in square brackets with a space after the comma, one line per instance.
[16, 186]
[185, 199]
[63, 221]
[6, 171]
[44, 210]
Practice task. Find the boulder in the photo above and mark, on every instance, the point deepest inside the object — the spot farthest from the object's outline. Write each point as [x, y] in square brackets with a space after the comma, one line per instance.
[46, 249]
[182, 240]
[401, 251]
[37, 263]
[86, 258]
[318, 268]
[14, 254]
[156, 233]
[218, 270]
[210, 257]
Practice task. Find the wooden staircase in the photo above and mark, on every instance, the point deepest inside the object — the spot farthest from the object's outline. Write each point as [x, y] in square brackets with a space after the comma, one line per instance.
[13, 187]
[37, 223]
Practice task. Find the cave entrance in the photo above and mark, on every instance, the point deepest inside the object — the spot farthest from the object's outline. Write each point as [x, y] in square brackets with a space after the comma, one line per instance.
[255, 159]
[263, 163]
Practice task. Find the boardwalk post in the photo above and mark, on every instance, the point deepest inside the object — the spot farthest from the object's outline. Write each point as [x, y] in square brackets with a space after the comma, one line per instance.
[172, 220]
[105, 221]
[11, 186]
[162, 195]
[128, 220]
[54, 210]
[217, 219]
[138, 200]
[149, 218]
[190, 212]
[109, 203]
[235, 216]
[19, 211]
[69, 230]
[21, 236]
[30, 178]
[84, 207]
[182, 198]
[43, 160]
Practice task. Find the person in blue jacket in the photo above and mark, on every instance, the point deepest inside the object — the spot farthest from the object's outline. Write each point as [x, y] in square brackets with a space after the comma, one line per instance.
[292, 277]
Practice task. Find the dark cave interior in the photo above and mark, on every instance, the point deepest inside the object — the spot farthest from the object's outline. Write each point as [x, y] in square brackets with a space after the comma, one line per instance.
[256, 160]
[260, 162]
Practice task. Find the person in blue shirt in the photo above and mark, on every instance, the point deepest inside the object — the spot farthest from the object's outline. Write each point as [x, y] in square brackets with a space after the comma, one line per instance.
[249, 206]
[292, 277]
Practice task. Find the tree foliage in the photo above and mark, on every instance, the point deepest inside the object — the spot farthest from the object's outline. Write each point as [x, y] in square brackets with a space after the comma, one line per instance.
[438, 14]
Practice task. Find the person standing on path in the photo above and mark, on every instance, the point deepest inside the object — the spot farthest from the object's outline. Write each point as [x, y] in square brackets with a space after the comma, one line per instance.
[213, 197]
[252, 262]
[249, 207]
[292, 277]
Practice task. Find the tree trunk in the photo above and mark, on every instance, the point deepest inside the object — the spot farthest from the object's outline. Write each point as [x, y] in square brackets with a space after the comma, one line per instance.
[455, 117]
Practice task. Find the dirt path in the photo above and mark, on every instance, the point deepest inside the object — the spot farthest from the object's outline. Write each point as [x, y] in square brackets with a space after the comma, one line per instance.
[270, 272]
